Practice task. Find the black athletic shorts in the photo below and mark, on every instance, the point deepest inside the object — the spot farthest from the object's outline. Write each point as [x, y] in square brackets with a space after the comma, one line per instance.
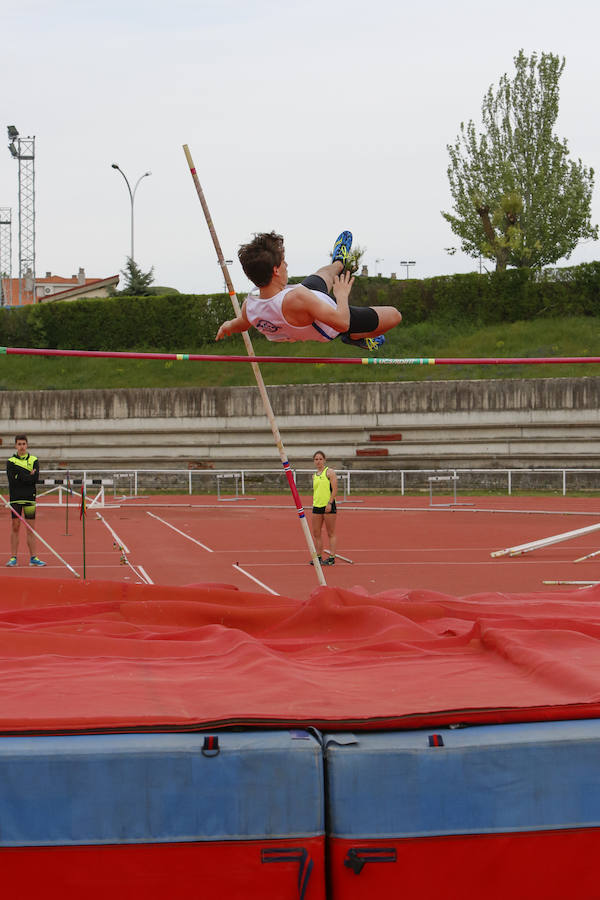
[26, 510]
[320, 510]
[362, 318]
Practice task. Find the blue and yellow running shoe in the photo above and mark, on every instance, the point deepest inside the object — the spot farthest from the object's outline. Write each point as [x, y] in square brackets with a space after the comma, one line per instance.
[341, 248]
[36, 561]
[372, 344]
[12, 561]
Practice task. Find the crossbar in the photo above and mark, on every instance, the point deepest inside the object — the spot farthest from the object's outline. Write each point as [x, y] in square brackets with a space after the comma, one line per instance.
[313, 360]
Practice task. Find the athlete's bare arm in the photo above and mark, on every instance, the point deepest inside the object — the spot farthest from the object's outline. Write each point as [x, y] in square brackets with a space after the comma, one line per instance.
[234, 326]
[302, 307]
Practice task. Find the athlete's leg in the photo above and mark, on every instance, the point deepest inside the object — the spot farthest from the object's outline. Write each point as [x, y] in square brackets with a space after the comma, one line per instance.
[31, 542]
[328, 273]
[388, 317]
[317, 525]
[14, 536]
[339, 257]
[330, 523]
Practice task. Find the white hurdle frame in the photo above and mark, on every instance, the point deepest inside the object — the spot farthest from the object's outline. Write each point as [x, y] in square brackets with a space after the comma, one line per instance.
[98, 501]
[454, 479]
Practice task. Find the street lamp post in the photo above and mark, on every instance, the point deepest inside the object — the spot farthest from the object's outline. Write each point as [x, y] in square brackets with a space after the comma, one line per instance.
[131, 196]
[228, 262]
[408, 263]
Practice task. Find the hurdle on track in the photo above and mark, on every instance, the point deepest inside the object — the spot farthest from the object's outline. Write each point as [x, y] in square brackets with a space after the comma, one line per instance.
[220, 476]
[521, 549]
[454, 479]
[61, 486]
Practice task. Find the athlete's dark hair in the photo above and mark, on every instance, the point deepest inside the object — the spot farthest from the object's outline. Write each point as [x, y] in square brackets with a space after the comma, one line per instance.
[21, 437]
[317, 452]
[260, 256]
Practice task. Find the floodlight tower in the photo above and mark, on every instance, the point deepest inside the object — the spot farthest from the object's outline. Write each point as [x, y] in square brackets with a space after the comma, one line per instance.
[5, 251]
[23, 150]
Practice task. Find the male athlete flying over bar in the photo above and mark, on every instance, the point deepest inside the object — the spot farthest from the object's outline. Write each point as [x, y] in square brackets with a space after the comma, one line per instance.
[306, 312]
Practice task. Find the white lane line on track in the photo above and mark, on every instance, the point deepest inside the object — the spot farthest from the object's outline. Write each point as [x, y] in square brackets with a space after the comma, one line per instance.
[114, 533]
[124, 550]
[182, 533]
[248, 575]
[145, 575]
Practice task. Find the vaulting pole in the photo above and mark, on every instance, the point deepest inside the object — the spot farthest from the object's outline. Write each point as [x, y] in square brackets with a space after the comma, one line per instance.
[257, 374]
[40, 538]
[521, 549]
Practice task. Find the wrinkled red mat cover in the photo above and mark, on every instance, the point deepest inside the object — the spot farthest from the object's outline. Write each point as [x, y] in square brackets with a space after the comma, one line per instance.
[98, 656]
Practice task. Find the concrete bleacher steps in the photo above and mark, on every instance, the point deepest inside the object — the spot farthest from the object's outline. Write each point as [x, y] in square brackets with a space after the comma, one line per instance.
[533, 422]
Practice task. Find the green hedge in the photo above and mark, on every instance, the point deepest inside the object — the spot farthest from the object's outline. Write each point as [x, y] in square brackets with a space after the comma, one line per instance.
[172, 323]
[489, 298]
[187, 322]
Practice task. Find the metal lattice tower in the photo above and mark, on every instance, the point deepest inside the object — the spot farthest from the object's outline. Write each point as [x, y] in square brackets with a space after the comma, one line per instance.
[23, 150]
[5, 249]
[26, 208]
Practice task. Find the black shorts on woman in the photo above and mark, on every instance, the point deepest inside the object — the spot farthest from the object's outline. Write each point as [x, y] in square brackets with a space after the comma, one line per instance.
[363, 319]
[321, 510]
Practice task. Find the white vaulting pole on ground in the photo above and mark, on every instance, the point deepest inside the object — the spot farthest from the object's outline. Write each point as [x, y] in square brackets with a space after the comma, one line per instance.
[587, 556]
[257, 374]
[41, 539]
[520, 549]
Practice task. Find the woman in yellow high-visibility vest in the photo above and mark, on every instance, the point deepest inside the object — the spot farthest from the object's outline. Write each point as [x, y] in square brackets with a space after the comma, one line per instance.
[324, 508]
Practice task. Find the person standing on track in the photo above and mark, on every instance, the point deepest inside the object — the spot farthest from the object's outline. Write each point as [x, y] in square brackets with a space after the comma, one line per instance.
[306, 312]
[324, 508]
[23, 472]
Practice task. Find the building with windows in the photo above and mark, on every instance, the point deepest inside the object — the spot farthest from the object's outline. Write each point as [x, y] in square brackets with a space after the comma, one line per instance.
[56, 287]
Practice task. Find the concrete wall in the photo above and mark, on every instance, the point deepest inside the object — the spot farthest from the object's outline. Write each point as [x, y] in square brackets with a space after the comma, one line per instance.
[521, 422]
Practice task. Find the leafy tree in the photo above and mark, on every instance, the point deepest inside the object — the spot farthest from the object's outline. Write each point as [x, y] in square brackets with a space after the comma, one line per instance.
[355, 258]
[518, 198]
[137, 283]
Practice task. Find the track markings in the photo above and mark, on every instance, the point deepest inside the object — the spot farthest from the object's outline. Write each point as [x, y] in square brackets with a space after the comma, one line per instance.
[248, 575]
[145, 575]
[182, 533]
[121, 544]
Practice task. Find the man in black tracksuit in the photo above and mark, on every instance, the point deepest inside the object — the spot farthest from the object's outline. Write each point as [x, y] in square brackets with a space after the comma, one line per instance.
[23, 471]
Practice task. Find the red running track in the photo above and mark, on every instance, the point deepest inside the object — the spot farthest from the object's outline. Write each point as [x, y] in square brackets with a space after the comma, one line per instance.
[257, 545]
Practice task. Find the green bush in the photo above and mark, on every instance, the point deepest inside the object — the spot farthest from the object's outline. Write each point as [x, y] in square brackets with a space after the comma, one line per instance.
[177, 322]
[188, 322]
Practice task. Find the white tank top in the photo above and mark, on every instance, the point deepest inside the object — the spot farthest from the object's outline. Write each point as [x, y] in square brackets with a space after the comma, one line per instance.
[267, 317]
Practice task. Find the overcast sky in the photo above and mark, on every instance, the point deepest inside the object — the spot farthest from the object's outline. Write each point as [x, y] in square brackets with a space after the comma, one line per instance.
[306, 117]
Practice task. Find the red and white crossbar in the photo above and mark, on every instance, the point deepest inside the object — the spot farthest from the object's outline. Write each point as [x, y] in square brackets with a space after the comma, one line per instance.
[312, 360]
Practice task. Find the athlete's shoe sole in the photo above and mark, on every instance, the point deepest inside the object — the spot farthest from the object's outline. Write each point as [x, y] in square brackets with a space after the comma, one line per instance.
[374, 344]
[341, 248]
[371, 344]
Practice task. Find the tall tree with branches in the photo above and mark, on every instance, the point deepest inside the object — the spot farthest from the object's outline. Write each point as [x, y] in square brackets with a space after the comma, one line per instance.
[137, 283]
[518, 197]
